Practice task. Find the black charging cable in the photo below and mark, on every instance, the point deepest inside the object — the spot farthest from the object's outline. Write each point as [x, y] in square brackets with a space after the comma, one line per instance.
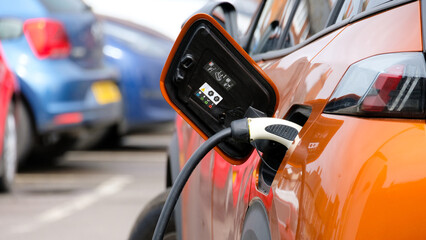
[183, 177]
[242, 130]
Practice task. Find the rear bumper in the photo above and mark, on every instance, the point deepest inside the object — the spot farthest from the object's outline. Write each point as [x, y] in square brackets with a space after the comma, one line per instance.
[91, 117]
[53, 88]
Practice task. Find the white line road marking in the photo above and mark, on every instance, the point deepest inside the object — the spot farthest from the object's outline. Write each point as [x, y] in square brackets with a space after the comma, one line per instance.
[107, 188]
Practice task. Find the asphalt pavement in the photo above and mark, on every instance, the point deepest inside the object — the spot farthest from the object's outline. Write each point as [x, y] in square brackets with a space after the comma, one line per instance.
[89, 195]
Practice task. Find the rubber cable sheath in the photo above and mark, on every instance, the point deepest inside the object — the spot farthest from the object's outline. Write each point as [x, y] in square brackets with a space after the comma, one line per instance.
[183, 177]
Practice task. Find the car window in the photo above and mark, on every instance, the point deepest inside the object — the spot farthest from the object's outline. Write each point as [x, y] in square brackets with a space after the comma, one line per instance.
[369, 4]
[352, 7]
[276, 19]
[273, 18]
[349, 9]
[64, 6]
[245, 12]
[10, 28]
[310, 18]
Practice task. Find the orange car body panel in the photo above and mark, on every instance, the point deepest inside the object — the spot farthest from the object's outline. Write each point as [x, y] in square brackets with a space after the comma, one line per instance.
[347, 177]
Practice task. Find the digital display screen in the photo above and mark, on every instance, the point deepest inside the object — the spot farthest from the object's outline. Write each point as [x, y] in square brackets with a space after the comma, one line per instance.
[219, 75]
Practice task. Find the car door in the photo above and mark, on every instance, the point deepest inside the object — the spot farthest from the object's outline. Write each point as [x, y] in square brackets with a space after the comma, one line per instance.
[236, 186]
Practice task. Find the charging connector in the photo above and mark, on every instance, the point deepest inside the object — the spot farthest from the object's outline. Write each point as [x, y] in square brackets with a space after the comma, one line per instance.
[278, 130]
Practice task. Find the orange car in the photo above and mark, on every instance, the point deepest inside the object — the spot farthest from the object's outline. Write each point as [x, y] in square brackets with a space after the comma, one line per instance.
[352, 73]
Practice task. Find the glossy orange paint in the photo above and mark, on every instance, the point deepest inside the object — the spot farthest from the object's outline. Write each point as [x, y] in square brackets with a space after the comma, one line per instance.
[352, 187]
[340, 151]
[347, 177]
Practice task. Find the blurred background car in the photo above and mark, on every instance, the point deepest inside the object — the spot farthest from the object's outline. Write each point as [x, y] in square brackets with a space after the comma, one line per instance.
[54, 48]
[139, 53]
[8, 142]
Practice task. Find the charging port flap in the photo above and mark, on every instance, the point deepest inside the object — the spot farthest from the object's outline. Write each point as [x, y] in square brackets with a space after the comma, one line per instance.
[211, 81]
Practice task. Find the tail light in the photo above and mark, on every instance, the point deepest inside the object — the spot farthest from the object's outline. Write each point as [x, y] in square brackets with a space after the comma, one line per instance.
[389, 85]
[47, 38]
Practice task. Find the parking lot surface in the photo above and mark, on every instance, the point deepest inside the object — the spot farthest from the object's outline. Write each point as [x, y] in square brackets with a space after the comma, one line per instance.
[89, 195]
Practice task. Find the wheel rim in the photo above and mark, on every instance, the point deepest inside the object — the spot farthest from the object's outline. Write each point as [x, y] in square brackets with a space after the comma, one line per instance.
[10, 149]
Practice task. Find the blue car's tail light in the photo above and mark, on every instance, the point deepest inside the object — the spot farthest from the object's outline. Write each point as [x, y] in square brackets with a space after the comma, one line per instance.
[68, 118]
[389, 85]
[47, 38]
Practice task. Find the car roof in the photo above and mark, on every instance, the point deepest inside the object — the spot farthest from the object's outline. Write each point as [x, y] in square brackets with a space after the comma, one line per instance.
[133, 25]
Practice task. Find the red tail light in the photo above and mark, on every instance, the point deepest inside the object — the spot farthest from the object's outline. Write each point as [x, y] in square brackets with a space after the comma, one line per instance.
[389, 85]
[379, 95]
[68, 118]
[47, 38]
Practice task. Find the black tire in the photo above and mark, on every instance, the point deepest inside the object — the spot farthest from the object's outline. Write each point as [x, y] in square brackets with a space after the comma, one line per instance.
[110, 140]
[144, 227]
[49, 155]
[26, 136]
[100, 139]
[9, 152]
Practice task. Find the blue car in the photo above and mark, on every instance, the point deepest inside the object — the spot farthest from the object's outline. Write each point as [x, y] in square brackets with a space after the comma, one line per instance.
[55, 50]
[140, 54]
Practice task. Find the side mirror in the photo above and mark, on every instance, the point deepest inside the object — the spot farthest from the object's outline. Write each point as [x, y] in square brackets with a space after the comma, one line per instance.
[211, 81]
[225, 14]
[10, 28]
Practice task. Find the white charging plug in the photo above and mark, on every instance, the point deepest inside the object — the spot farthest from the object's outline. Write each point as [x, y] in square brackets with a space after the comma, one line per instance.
[275, 129]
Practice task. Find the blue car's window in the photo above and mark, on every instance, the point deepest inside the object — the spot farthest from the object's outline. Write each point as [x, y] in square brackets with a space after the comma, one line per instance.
[64, 6]
[10, 28]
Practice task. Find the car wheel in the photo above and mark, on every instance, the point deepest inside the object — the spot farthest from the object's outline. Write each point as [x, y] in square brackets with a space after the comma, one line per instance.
[25, 133]
[49, 154]
[9, 153]
[111, 139]
[145, 224]
[99, 139]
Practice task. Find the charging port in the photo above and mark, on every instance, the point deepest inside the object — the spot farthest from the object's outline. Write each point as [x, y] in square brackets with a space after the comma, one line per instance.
[273, 152]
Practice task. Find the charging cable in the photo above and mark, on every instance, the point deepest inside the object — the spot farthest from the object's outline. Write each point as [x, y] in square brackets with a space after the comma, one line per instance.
[242, 130]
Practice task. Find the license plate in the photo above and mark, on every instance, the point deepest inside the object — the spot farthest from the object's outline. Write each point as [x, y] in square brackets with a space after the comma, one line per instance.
[106, 92]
